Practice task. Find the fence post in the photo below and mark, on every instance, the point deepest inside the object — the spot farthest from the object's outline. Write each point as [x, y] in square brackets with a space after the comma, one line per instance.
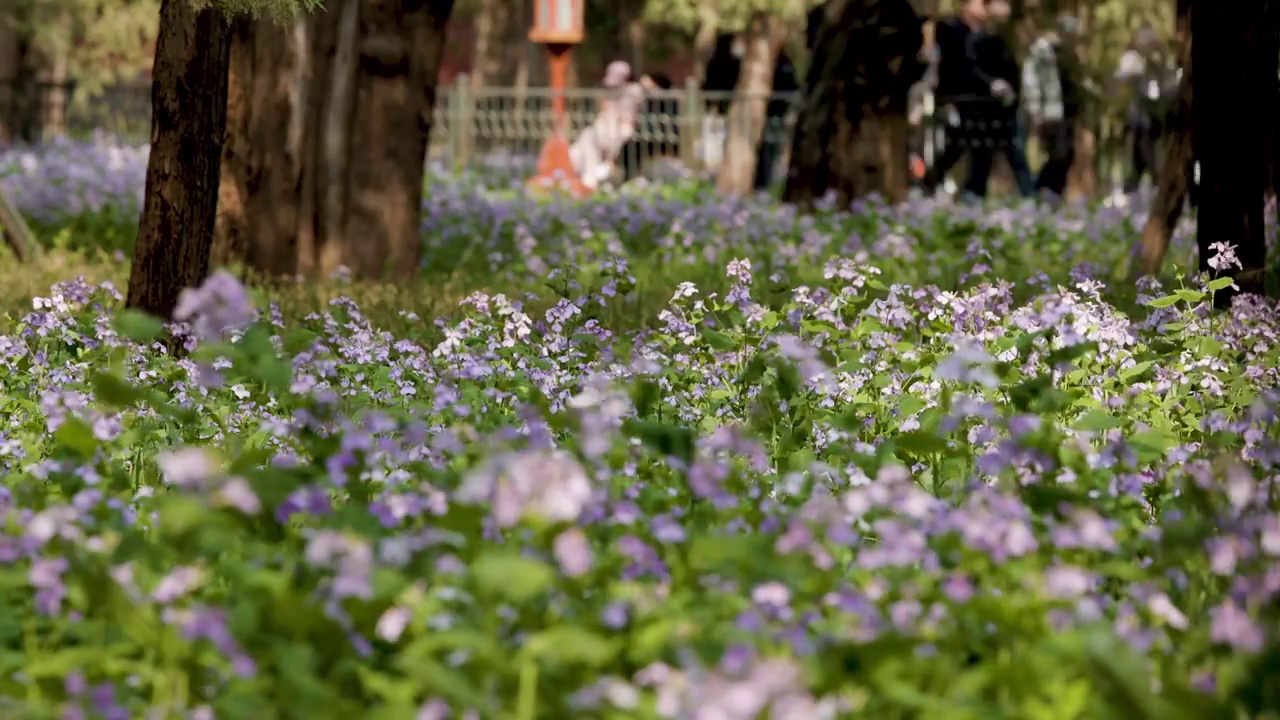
[691, 120]
[461, 119]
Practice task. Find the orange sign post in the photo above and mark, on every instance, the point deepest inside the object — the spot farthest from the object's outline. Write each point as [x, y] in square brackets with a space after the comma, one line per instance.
[557, 26]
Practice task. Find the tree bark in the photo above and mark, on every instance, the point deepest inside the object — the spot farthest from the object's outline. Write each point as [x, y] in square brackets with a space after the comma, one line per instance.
[746, 119]
[329, 130]
[1231, 60]
[1179, 164]
[629, 15]
[188, 120]
[850, 136]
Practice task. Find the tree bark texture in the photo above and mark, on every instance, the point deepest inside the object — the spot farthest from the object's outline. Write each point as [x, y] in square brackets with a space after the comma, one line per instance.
[850, 137]
[188, 121]
[1178, 168]
[1232, 61]
[328, 139]
[745, 122]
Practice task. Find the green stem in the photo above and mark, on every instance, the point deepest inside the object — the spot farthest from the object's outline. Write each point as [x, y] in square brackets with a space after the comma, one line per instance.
[528, 691]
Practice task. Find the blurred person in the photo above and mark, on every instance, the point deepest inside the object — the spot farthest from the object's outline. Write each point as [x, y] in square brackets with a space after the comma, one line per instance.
[1144, 70]
[995, 58]
[1053, 98]
[594, 152]
[972, 97]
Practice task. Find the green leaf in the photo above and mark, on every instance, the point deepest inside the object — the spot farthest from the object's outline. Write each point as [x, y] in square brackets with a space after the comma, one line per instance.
[909, 405]
[1098, 421]
[1221, 283]
[1164, 302]
[1136, 370]
[511, 576]
[670, 440]
[571, 644]
[114, 391]
[76, 436]
[137, 326]
[918, 442]
[1188, 295]
[1151, 445]
[276, 374]
[718, 340]
[645, 395]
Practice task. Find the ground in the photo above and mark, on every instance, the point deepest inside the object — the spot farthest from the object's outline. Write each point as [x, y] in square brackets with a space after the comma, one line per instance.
[657, 455]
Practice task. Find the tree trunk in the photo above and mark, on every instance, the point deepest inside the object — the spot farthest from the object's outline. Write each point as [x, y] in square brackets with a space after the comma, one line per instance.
[329, 131]
[704, 41]
[629, 14]
[850, 137]
[262, 160]
[746, 119]
[491, 24]
[188, 120]
[1231, 61]
[1176, 173]
[13, 74]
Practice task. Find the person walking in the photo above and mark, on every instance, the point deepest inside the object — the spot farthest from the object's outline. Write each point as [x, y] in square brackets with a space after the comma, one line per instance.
[970, 95]
[995, 58]
[1151, 82]
[1053, 98]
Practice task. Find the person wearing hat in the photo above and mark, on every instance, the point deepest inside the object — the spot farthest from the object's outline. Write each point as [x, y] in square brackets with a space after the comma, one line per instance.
[594, 152]
[1053, 97]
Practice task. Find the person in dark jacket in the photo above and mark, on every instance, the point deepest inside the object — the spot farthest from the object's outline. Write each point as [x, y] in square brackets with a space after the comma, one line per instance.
[974, 96]
[995, 58]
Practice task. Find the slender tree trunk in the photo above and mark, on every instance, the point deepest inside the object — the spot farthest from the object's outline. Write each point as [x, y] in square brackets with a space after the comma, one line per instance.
[188, 121]
[746, 120]
[630, 42]
[325, 170]
[491, 24]
[850, 137]
[1176, 172]
[704, 41]
[1231, 62]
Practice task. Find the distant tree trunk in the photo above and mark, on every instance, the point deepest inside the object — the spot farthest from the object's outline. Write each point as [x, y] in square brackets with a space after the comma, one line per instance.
[329, 133]
[188, 121]
[1231, 60]
[630, 42]
[746, 119]
[12, 73]
[490, 39]
[850, 137]
[1176, 172]
[704, 40]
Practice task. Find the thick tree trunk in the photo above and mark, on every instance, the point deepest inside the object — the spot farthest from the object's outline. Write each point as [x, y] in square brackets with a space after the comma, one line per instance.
[1176, 172]
[850, 137]
[262, 161]
[188, 121]
[746, 119]
[1231, 60]
[330, 120]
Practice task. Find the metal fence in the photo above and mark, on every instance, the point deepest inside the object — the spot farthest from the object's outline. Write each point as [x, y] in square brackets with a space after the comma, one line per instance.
[496, 133]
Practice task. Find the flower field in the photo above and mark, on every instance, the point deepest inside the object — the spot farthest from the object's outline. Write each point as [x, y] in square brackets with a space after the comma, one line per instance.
[668, 457]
